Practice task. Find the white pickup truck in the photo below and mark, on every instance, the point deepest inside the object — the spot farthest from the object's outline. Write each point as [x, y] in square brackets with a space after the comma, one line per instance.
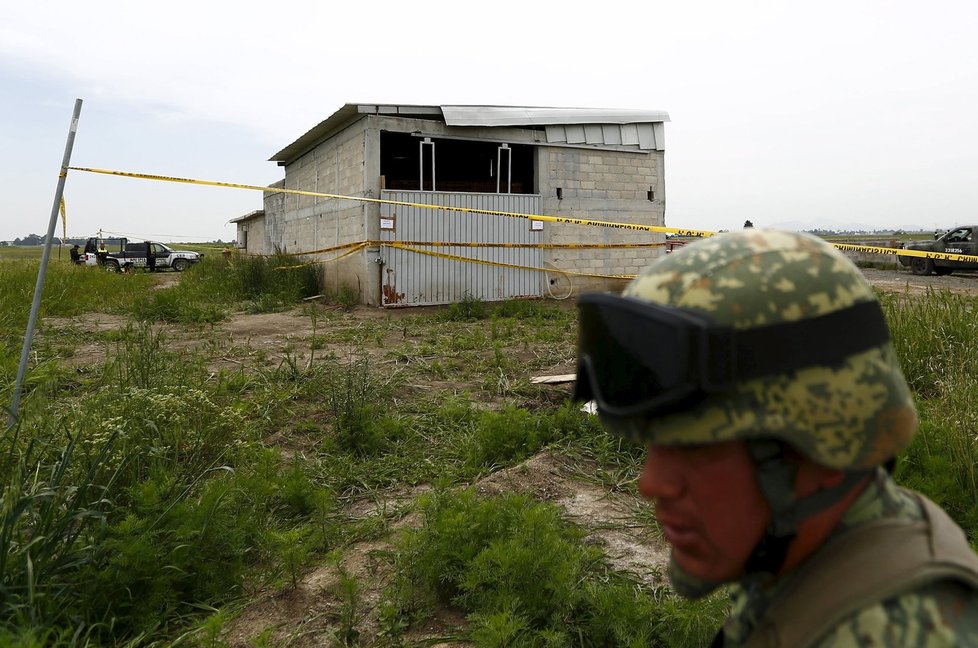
[144, 254]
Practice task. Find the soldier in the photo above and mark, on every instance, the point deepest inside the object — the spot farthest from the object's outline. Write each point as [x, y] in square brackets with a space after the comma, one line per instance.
[757, 368]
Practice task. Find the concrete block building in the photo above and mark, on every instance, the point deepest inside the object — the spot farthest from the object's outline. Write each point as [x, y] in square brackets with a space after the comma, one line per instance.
[432, 185]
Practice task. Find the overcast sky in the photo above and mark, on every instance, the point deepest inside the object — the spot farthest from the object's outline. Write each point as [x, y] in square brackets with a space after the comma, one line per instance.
[827, 114]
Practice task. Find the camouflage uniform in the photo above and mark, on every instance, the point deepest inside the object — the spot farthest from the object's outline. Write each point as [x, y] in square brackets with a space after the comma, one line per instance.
[943, 613]
[852, 416]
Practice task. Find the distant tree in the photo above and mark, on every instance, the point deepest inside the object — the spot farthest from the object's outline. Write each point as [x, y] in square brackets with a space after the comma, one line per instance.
[30, 239]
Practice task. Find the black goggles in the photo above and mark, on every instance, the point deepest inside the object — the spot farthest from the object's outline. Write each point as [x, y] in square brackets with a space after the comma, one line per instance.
[639, 358]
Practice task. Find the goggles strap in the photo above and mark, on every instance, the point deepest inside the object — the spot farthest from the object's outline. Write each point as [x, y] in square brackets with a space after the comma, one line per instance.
[826, 340]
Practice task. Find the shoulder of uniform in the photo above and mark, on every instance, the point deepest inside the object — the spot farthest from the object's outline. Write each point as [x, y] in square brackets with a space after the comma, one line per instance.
[943, 613]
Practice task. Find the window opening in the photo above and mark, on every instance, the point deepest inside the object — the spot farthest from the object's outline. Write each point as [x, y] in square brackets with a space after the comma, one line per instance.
[408, 163]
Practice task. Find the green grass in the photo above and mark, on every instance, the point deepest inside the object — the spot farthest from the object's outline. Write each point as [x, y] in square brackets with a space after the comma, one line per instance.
[197, 474]
[936, 338]
[33, 252]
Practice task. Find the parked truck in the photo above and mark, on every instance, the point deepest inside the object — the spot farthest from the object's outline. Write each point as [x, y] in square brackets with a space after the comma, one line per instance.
[960, 240]
[121, 254]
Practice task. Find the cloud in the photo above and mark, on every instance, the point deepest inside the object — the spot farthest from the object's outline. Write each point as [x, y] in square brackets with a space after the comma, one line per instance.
[780, 110]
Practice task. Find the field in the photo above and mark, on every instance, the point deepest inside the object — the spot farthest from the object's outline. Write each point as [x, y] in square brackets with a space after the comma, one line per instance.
[209, 459]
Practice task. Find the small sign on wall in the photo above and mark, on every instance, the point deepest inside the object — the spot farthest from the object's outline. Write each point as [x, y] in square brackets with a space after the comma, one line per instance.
[387, 223]
[536, 226]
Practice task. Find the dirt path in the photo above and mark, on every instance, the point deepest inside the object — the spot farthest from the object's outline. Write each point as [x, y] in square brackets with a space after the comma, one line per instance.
[903, 281]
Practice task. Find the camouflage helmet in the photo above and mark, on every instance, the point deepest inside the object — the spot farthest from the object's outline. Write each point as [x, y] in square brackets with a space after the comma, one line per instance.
[848, 417]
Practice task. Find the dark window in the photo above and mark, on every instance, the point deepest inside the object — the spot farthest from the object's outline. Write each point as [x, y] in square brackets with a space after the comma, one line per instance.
[959, 235]
[454, 165]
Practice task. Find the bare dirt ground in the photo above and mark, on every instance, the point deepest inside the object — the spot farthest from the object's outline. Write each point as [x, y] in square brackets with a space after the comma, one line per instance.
[899, 281]
[308, 614]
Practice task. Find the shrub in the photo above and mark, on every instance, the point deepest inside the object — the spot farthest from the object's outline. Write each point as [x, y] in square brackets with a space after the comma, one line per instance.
[525, 577]
[502, 437]
[470, 308]
[284, 277]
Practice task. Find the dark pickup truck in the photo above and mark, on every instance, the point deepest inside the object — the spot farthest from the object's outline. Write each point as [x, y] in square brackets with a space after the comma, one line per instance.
[960, 240]
[125, 255]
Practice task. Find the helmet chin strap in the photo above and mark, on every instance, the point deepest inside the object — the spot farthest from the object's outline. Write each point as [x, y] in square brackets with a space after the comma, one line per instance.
[776, 479]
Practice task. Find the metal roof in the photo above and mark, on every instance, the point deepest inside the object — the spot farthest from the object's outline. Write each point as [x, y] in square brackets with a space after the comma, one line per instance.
[253, 214]
[638, 129]
[529, 116]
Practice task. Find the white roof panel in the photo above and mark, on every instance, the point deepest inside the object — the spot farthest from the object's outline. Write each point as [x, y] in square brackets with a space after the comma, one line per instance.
[574, 134]
[611, 133]
[530, 116]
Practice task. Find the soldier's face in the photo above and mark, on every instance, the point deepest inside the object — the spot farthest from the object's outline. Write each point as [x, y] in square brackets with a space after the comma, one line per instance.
[709, 505]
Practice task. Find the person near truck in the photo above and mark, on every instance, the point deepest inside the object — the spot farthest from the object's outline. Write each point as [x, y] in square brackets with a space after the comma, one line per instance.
[75, 254]
[101, 254]
[756, 367]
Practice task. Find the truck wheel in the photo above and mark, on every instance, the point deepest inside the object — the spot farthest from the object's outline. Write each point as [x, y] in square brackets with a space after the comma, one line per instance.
[923, 267]
[112, 265]
[180, 264]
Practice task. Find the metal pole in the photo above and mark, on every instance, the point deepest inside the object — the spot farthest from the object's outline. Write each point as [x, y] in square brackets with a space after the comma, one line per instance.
[42, 271]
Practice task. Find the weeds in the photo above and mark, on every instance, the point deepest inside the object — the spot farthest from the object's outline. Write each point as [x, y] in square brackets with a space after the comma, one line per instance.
[167, 489]
[935, 338]
[347, 590]
[49, 520]
[525, 577]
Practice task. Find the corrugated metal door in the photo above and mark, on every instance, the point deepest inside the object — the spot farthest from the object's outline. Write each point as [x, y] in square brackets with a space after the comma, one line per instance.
[415, 279]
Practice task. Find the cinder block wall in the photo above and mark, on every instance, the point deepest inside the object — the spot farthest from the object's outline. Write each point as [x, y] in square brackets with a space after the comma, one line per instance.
[274, 204]
[313, 223]
[600, 185]
[256, 236]
[873, 259]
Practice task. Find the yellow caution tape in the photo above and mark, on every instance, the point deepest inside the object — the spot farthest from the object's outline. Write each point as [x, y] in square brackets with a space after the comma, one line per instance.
[348, 252]
[453, 257]
[64, 219]
[546, 246]
[354, 247]
[943, 256]
[946, 256]
[380, 201]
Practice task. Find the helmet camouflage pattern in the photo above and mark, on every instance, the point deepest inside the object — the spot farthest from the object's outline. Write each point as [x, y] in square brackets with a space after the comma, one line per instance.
[854, 416]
